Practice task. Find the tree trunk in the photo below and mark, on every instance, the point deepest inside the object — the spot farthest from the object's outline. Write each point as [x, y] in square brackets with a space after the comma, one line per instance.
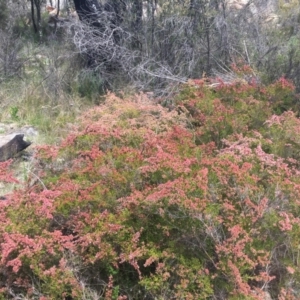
[35, 27]
[137, 12]
[36, 14]
[88, 11]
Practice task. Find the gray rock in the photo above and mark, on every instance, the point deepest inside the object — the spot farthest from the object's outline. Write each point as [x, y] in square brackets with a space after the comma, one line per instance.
[11, 144]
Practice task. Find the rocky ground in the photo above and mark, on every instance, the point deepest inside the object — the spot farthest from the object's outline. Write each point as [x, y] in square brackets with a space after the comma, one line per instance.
[23, 161]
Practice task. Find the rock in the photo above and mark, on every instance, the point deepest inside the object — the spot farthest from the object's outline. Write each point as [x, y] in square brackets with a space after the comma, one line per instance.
[11, 144]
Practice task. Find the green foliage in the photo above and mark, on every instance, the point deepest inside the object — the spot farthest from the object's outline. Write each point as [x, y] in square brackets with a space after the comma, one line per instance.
[14, 113]
[199, 202]
[3, 13]
[90, 85]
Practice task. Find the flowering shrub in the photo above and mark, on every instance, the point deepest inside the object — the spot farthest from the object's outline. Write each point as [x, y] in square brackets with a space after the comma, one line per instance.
[5, 174]
[139, 202]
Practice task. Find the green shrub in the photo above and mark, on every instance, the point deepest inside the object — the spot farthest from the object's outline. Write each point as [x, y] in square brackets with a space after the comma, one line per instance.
[142, 202]
[90, 85]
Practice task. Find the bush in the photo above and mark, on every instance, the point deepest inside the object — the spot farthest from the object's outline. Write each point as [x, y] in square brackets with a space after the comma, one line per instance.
[90, 85]
[143, 202]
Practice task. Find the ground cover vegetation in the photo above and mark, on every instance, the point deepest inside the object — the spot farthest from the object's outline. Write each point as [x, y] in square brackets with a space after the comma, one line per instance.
[143, 202]
[171, 168]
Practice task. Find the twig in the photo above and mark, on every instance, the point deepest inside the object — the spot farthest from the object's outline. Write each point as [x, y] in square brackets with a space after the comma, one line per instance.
[246, 50]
